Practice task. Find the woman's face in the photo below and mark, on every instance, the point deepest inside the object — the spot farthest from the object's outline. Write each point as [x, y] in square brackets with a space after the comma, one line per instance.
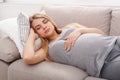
[43, 27]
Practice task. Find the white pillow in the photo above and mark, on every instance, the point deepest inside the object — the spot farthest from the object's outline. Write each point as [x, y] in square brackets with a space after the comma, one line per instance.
[2, 34]
[10, 27]
[17, 32]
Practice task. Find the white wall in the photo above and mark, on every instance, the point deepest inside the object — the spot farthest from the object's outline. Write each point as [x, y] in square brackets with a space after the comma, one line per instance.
[11, 8]
[82, 2]
[1, 0]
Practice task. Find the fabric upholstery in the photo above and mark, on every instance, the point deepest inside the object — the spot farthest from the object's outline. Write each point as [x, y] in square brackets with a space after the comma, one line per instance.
[93, 78]
[24, 27]
[8, 50]
[3, 70]
[89, 16]
[115, 22]
[44, 71]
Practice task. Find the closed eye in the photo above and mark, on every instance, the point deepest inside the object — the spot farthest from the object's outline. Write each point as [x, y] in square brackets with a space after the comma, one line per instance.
[37, 27]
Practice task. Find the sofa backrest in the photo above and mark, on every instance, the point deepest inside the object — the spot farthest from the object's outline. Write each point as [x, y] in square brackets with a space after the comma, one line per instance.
[98, 17]
[115, 22]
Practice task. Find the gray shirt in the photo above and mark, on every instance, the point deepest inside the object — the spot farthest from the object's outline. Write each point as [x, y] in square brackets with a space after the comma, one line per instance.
[88, 53]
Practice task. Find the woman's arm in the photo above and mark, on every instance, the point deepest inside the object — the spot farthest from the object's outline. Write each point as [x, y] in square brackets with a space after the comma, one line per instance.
[90, 30]
[83, 29]
[79, 30]
[30, 56]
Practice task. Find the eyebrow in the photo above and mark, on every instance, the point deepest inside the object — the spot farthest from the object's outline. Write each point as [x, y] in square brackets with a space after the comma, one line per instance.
[44, 19]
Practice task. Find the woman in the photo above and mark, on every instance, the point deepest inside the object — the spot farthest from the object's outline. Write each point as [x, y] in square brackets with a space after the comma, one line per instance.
[86, 48]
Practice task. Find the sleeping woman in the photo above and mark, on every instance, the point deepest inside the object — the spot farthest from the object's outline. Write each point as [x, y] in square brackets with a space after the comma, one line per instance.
[86, 48]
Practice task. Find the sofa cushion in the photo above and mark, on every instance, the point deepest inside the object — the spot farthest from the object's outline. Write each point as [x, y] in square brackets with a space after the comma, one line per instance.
[24, 27]
[89, 16]
[93, 78]
[115, 22]
[10, 27]
[44, 71]
[8, 50]
[3, 70]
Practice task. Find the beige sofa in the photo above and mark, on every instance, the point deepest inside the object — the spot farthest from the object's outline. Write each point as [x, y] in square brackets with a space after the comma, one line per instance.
[12, 67]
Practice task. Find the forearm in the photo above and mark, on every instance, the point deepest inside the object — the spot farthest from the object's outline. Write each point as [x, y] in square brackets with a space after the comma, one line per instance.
[37, 57]
[29, 54]
[90, 30]
[28, 50]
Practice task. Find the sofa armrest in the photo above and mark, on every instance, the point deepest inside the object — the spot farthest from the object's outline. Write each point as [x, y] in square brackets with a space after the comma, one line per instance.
[8, 50]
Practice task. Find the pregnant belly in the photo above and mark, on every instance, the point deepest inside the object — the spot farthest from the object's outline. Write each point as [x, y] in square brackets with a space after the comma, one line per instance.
[88, 52]
[78, 56]
[85, 50]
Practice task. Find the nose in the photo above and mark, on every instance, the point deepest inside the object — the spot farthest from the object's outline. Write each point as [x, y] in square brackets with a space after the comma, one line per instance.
[44, 26]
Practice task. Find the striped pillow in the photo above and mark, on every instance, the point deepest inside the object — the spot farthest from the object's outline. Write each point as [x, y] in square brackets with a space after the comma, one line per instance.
[24, 29]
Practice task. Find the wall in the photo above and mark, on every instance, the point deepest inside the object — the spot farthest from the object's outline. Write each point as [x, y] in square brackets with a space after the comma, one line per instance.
[11, 8]
[1, 0]
[81, 2]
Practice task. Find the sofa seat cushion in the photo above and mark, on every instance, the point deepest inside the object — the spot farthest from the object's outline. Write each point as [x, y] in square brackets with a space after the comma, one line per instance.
[89, 16]
[3, 70]
[93, 78]
[19, 70]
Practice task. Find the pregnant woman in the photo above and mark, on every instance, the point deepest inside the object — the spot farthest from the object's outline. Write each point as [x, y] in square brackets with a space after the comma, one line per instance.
[86, 48]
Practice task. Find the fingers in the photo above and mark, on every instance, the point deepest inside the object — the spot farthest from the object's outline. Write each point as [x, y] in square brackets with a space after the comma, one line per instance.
[31, 30]
[73, 42]
[71, 39]
[36, 36]
[68, 45]
[69, 42]
[33, 34]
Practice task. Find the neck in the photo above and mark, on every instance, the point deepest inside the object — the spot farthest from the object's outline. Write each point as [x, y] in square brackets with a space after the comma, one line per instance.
[53, 37]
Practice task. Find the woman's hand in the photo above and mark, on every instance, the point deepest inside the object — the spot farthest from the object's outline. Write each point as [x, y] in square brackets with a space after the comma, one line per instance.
[71, 38]
[33, 34]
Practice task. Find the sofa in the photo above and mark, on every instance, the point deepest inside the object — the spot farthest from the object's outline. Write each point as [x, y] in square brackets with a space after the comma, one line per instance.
[12, 67]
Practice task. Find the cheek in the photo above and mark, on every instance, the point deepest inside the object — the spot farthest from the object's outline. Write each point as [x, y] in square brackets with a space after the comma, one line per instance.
[51, 25]
[52, 28]
[41, 34]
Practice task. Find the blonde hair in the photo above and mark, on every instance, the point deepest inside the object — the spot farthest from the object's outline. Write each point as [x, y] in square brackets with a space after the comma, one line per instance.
[44, 41]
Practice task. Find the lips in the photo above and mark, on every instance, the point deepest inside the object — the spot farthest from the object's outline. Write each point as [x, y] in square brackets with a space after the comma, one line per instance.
[47, 30]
